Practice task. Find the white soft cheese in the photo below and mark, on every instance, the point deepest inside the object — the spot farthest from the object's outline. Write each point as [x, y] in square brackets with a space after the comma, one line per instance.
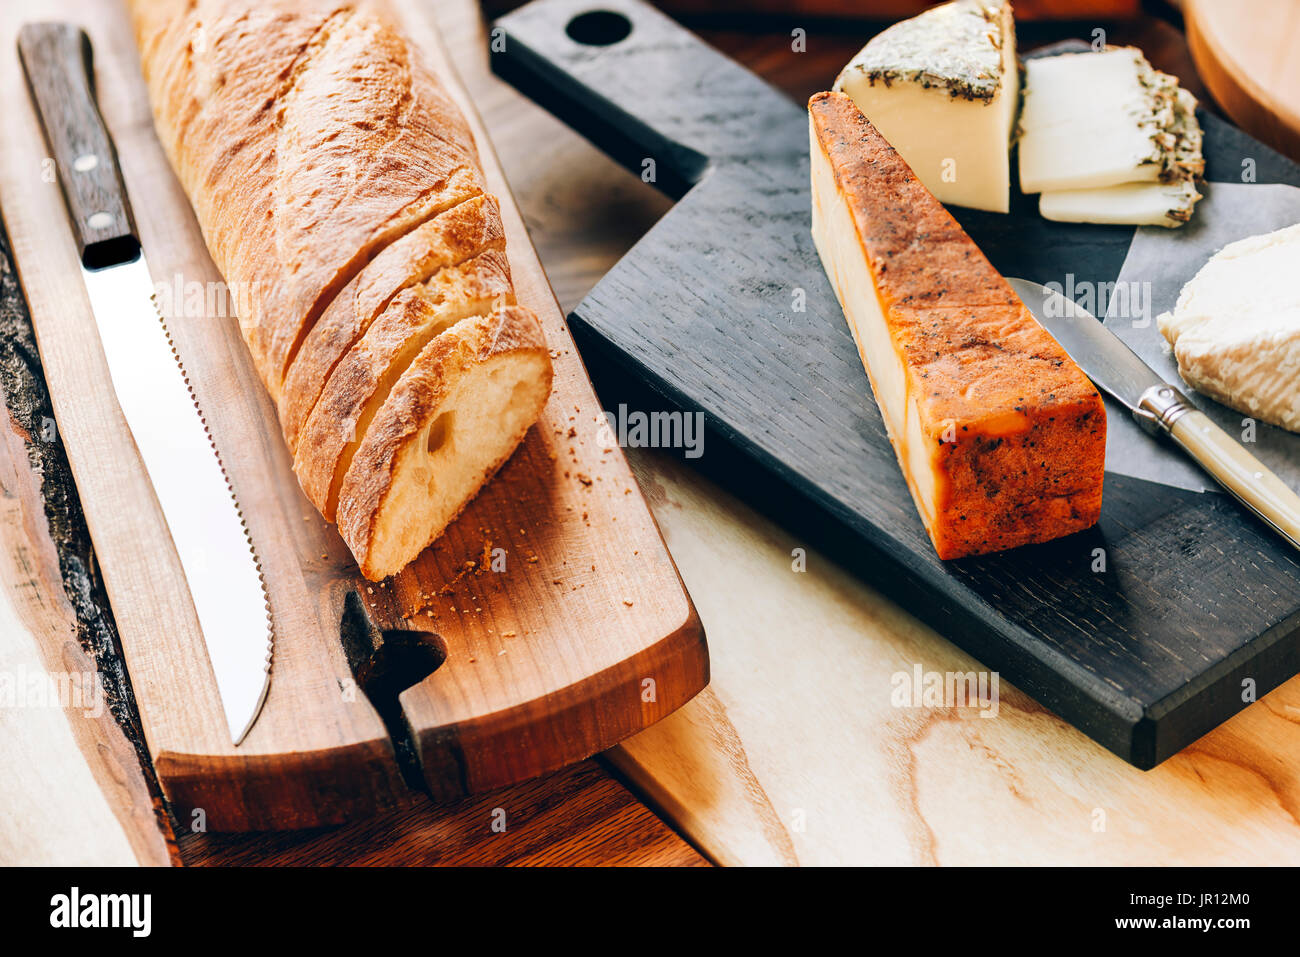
[1236, 328]
[943, 89]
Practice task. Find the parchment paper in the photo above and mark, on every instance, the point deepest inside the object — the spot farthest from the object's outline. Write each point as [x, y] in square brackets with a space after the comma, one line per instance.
[1161, 261]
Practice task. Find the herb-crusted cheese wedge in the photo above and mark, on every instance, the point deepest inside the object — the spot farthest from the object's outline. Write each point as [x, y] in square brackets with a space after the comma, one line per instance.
[943, 88]
[1000, 436]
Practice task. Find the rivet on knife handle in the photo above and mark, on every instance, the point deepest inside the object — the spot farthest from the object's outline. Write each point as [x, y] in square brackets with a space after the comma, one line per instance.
[1223, 457]
[57, 60]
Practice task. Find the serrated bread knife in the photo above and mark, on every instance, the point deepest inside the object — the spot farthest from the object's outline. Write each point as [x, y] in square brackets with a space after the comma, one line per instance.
[1159, 407]
[203, 517]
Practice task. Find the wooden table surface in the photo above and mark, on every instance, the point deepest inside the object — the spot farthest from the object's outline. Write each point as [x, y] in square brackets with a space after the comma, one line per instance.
[583, 213]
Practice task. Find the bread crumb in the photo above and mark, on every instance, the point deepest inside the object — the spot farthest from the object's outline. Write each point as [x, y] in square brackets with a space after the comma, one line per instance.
[628, 603]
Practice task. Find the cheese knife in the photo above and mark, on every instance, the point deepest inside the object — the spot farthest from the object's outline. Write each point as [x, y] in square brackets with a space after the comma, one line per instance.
[1160, 407]
[152, 388]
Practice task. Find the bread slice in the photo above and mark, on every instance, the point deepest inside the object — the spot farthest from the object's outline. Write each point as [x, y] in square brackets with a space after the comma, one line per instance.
[451, 421]
[460, 233]
[364, 377]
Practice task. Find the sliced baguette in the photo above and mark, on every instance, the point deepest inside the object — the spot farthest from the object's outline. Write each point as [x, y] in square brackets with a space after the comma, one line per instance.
[365, 376]
[451, 421]
[339, 192]
[450, 239]
[307, 138]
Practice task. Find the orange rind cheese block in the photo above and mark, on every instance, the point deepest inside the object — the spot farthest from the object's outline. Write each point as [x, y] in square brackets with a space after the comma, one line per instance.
[1001, 437]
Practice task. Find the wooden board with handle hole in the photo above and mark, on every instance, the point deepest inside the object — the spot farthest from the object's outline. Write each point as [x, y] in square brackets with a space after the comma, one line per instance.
[723, 309]
[547, 624]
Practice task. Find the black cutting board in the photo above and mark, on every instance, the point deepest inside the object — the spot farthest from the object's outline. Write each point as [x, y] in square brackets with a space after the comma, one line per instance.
[1198, 603]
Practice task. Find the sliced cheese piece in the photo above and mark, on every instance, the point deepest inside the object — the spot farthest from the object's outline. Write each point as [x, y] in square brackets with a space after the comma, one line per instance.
[943, 88]
[1135, 204]
[1235, 329]
[1102, 119]
[1001, 438]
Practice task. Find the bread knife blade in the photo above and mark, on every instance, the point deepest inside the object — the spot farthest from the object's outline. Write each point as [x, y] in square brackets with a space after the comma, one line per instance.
[195, 495]
[1160, 407]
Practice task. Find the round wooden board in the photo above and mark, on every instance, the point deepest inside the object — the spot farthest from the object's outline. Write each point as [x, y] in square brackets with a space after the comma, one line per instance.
[1245, 53]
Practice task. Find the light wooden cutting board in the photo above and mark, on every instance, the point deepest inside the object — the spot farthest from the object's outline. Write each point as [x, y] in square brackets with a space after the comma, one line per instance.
[1246, 51]
[585, 637]
[796, 753]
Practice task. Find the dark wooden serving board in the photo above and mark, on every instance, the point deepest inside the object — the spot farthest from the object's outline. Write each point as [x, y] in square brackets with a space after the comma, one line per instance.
[1146, 656]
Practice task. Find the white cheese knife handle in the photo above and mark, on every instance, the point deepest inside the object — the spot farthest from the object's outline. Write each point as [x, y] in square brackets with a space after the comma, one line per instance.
[1240, 473]
[1224, 458]
[56, 59]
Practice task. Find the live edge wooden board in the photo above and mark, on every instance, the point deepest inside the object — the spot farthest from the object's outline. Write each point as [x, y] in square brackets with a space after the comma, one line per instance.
[724, 307]
[584, 638]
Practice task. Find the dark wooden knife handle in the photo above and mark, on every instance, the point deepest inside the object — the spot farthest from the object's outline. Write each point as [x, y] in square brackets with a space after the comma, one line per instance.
[57, 60]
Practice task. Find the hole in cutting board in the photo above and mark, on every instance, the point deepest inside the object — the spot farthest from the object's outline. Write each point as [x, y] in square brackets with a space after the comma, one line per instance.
[599, 28]
[384, 663]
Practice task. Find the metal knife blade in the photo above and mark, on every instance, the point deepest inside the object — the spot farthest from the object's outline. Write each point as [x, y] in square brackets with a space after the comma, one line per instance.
[203, 517]
[1101, 354]
[1159, 407]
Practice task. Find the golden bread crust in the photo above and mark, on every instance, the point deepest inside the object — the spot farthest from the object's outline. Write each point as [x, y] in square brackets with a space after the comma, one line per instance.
[448, 240]
[307, 137]
[339, 192]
